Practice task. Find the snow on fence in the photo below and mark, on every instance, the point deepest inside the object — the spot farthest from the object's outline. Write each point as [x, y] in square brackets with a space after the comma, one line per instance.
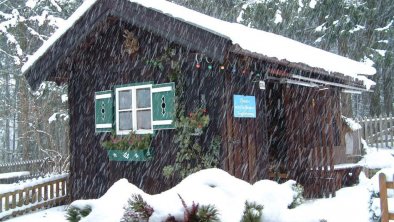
[378, 131]
[384, 207]
[35, 168]
[31, 165]
[44, 193]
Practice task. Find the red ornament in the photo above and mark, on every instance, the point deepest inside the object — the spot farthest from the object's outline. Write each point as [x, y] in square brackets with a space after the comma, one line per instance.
[198, 65]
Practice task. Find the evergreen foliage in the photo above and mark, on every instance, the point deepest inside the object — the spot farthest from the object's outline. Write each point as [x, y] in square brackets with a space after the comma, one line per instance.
[137, 210]
[191, 157]
[252, 213]
[75, 214]
[195, 213]
[298, 198]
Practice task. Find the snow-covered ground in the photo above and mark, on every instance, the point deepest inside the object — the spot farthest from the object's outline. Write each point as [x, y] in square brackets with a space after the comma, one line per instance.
[228, 194]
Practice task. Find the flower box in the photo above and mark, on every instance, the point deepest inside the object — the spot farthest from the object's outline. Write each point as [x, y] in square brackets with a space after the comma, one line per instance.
[130, 155]
[132, 147]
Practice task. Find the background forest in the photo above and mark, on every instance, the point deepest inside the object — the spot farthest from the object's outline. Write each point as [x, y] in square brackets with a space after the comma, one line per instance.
[34, 125]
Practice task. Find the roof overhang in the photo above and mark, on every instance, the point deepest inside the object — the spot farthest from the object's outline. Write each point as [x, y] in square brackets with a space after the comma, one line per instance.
[160, 21]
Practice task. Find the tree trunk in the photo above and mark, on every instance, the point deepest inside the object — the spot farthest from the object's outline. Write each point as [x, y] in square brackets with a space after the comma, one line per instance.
[24, 118]
[7, 119]
[14, 125]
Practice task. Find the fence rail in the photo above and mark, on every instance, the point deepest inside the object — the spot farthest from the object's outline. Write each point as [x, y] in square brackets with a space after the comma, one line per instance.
[29, 165]
[378, 131]
[43, 195]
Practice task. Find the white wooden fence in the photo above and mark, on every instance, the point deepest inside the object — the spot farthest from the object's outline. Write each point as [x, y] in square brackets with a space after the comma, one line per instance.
[378, 131]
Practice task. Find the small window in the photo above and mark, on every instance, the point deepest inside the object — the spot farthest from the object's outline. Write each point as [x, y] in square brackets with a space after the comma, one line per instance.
[134, 109]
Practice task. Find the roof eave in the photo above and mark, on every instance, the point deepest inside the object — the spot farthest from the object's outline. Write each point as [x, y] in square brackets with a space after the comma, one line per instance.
[300, 66]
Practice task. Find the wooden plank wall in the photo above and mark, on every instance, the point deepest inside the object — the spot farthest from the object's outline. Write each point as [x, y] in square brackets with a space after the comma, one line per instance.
[312, 122]
[99, 65]
[245, 150]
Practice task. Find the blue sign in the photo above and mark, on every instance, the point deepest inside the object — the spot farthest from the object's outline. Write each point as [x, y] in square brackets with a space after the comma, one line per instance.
[244, 106]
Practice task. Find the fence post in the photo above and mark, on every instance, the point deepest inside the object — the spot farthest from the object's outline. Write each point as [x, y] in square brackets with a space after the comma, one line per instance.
[367, 129]
[384, 209]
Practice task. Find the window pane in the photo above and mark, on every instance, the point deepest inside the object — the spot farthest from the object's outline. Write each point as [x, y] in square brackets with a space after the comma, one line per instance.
[143, 98]
[125, 120]
[144, 119]
[125, 99]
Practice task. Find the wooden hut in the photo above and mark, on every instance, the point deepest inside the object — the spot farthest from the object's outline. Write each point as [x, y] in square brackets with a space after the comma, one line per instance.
[149, 66]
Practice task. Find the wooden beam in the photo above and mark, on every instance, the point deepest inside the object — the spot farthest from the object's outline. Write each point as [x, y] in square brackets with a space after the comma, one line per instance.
[383, 198]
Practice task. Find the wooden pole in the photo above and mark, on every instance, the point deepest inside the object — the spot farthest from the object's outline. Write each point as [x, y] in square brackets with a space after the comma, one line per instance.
[380, 138]
[391, 131]
[383, 198]
[366, 129]
[376, 130]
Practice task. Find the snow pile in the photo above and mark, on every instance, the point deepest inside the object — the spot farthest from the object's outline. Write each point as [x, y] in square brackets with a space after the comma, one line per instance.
[211, 186]
[373, 186]
[374, 182]
[377, 158]
[110, 206]
[228, 194]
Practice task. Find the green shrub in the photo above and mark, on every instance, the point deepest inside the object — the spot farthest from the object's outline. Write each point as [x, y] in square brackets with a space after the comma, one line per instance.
[137, 210]
[298, 198]
[75, 214]
[197, 213]
[252, 213]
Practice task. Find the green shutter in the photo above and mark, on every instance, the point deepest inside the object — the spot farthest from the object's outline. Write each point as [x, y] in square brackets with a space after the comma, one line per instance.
[163, 106]
[104, 111]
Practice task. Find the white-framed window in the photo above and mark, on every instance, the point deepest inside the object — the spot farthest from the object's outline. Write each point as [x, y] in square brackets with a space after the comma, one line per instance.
[140, 107]
[133, 109]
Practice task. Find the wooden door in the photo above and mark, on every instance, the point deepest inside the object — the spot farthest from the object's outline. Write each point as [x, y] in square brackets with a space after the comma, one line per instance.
[245, 153]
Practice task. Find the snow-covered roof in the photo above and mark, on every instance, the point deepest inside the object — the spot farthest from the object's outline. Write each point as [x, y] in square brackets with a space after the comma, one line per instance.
[253, 40]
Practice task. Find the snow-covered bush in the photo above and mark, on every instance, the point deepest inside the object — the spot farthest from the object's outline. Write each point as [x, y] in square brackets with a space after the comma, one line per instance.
[137, 210]
[252, 213]
[75, 214]
[197, 213]
[298, 197]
